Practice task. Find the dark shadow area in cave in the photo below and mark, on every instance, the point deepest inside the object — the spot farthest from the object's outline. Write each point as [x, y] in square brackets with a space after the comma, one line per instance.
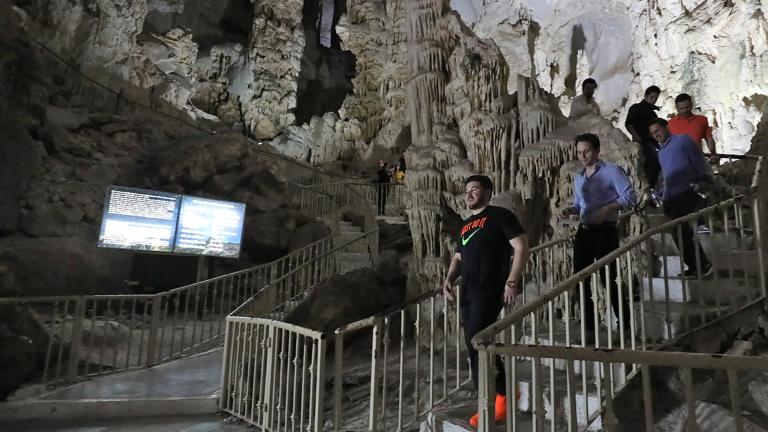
[578, 42]
[211, 22]
[326, 73]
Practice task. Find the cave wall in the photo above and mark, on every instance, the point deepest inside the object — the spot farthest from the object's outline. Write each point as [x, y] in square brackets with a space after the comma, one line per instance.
[714, 50]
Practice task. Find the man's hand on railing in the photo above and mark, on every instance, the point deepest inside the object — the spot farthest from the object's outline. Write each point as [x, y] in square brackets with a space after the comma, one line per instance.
[511, 290]
[447, 290]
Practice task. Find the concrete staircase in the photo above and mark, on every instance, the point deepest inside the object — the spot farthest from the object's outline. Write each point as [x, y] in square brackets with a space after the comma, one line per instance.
[355, 255]
[691, 302]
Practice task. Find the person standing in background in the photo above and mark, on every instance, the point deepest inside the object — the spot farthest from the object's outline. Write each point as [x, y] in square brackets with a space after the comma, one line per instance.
[383, 178]
[639, 117]
[694, 125]
[584, 104]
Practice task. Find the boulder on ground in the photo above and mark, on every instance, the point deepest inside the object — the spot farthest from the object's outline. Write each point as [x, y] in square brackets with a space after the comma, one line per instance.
[352, 296]
[24, 341]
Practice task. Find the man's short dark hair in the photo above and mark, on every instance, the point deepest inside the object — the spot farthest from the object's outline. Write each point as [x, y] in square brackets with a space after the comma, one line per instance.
[682, 97]
[659, 121]
[484, 181]
[652, 89]
[588, 81]
[591, 138]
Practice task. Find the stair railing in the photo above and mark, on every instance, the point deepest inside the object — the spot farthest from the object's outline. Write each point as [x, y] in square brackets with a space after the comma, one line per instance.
[418, 353]
[273, 373]
[575, 375]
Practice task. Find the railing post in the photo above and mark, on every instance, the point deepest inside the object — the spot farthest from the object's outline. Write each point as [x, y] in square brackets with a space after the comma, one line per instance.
[757, 207]
[269, 377]
[337, 380]
[77, 336]
[224, 389]
[485, 397]
[154, 331]
[373, 424]
[320, 390]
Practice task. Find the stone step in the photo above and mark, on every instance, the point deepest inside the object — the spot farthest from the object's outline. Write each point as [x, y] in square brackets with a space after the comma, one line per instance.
[455, 418]
[709, 291]
[526, 386]
[356, 247]
[666, 321]
[709, 242]
[349, 261]
[740, 261]
[350, 229]
[585, 397]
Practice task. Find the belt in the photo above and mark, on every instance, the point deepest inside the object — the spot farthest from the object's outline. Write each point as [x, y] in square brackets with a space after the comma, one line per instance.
[603, 225]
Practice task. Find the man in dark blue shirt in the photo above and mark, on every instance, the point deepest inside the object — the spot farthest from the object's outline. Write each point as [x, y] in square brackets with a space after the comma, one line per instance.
[683, 170]
[600, 190]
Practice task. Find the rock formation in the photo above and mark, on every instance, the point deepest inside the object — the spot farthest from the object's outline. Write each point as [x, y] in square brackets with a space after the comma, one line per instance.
[272, 67]
[628, 45]
[61, 148]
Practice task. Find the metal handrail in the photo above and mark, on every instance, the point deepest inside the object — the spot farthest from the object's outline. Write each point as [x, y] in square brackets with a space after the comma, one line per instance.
[302, 267]
[486, 336]
[612, 367]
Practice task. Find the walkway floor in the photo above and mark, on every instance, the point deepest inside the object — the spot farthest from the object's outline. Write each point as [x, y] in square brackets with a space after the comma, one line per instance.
[199, 423]
[194, 376]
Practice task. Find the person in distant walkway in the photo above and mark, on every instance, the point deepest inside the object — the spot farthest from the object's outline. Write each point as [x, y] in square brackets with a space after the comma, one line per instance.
[487, 238]
[401, 161]
[584, 104]
[684, 172]
[639, 117]
[600, 190]
[382, 187]
[398, 174]
[694, 125]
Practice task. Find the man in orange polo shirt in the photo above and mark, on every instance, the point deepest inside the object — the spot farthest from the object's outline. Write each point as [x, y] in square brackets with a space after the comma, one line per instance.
[695, 126]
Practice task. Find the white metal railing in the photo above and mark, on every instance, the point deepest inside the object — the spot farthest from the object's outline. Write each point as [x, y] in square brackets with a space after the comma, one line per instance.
[417, 357]
[265, 379]
[387, 199]
[417, 360]
[345, 197]
[95, 334]
[571, 383]
[273, 374]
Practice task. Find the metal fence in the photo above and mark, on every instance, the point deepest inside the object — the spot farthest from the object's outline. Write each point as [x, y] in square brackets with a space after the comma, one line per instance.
[417, 360]
[94, 334]
[571, 376]
[417, 357]
[387, 199]
[273, 375]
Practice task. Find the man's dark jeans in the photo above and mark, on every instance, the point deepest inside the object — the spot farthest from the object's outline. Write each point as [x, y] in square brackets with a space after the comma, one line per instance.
[477, 314]
[382, 189]
[679, 206]
[651, 164]
[592, 243]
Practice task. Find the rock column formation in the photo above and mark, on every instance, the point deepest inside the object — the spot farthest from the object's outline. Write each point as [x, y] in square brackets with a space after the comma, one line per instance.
[274, 59]
[427, 110]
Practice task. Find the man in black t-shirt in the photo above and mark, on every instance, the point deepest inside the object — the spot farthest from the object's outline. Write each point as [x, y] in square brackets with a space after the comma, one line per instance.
[486, 242]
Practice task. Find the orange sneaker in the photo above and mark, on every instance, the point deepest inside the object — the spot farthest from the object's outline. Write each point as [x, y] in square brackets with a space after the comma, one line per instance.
[500, 409]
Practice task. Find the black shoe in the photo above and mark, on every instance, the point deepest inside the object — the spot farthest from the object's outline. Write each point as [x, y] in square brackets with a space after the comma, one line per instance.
[691, 273]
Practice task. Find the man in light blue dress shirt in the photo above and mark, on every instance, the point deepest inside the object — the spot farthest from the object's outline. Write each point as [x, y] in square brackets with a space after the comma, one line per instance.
[600, 190]
[683, 171]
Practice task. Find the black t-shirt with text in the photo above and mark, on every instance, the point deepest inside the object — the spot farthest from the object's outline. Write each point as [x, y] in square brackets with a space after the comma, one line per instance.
[486, 252]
